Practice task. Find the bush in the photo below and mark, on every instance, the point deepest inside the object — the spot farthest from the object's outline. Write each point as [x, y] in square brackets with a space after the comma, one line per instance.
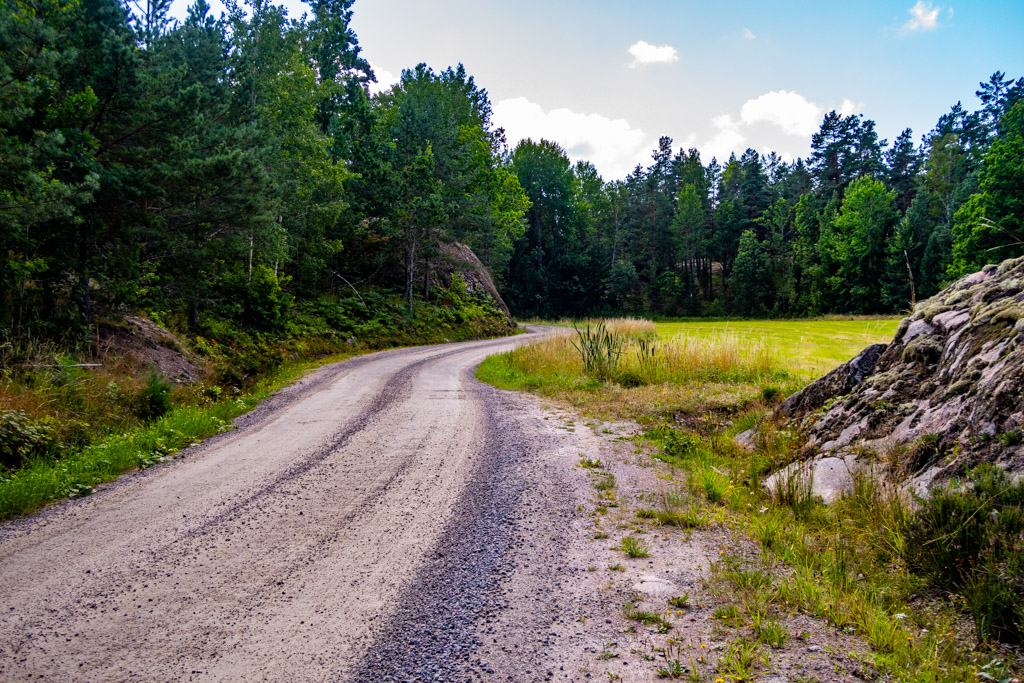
[154, 398]
[265, 302]
[971, 540]
[22, 438]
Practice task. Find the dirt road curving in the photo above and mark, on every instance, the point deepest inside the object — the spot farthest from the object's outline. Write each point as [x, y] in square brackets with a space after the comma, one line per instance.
[362, 525]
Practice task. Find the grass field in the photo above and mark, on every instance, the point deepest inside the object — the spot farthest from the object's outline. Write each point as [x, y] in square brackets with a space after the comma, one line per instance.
[807, 347]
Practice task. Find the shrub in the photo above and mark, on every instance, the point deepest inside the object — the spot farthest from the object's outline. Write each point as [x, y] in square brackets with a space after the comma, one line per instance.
[971, 540]
[265, 303]
[154, 398]
[22, 438]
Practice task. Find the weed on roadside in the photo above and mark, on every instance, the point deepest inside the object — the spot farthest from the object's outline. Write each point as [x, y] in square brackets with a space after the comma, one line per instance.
[633, 547]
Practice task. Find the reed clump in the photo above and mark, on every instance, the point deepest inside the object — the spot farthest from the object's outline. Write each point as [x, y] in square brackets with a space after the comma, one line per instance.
[629, 353]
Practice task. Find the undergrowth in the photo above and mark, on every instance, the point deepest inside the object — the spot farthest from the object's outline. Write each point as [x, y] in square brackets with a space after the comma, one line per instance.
[48, 476]
[73, 416]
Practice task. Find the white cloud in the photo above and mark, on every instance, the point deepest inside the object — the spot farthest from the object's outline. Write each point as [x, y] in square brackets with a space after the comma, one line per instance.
[789, 110]
[923, 17]
[645, 53]
[748, 34]
[612, 145]
[849, 107]
[763, 118]
[385, 79]
[726, 139]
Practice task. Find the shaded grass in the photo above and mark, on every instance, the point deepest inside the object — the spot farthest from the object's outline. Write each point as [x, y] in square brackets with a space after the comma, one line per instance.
[43, 480]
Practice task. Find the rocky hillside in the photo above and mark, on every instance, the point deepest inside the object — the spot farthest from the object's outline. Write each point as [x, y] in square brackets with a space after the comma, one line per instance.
[458, 259]
[946, 394]
[147, 346]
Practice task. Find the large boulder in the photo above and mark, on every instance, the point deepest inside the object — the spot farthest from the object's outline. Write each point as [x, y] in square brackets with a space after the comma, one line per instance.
[946, 394]
[458, 259]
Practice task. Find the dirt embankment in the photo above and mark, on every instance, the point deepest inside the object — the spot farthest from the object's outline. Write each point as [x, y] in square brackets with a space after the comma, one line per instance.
[147, 345]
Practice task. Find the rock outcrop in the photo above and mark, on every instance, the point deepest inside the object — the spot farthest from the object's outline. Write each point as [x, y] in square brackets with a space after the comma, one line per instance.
[946, 394]
[459, 259]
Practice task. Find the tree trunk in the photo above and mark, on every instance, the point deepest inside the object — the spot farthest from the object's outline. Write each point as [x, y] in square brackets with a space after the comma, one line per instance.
[410, 256]
[426, 282]
[193, 312]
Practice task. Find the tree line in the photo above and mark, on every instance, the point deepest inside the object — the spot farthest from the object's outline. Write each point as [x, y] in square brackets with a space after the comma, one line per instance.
[237, 167]
[231, 167]
[859, 226]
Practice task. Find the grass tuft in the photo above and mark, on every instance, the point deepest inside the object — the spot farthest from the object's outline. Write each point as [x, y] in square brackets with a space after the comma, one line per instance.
[633, 547]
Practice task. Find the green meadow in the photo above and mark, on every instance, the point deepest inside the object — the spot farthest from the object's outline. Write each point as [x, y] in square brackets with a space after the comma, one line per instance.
[807, 348]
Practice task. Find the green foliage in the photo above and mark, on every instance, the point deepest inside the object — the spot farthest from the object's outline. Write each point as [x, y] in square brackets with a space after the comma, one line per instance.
[680, 601]
[266, 304]
[863, 227]
[648, 618]
[154, 398]
[23, 439]
[989, 227]
[769, 631]
[599, 349]
[749, 276]
[633, 547]
[969, 540]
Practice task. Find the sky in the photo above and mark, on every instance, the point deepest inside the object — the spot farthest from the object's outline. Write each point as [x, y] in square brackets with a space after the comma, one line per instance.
[606, 80]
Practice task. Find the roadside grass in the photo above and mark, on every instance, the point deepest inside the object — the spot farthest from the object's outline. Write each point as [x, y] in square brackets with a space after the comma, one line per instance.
[650, 376]
[45, 479]
[634, 547]
[845, 565]
[75, 412]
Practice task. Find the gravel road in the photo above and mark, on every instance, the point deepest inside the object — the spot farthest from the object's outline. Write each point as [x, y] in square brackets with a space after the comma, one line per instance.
[367, 523]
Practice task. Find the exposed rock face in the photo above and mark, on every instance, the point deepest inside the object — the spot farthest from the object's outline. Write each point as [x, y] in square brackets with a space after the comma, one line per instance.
[945, 395]
[838, 382]
[460, 259]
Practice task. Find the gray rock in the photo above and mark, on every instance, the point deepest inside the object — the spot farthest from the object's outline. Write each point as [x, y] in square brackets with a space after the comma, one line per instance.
[936, 400]
[838, 382]
[747, 439]
[656, 587]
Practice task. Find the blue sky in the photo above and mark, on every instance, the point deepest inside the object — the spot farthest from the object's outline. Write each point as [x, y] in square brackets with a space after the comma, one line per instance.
[606, 79]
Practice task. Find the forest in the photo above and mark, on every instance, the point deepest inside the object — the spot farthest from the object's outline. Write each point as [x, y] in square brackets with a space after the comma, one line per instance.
[238, 169]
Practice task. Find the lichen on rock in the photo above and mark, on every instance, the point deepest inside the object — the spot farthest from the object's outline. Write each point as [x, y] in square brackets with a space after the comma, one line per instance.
[945, 395]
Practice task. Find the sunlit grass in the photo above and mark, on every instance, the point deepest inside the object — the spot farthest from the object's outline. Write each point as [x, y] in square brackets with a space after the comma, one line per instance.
[842, 564]
[809, 348]
[685, 367]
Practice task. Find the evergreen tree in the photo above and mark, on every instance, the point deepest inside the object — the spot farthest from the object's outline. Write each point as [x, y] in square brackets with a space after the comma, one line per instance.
[749, 283]
[863, 227]
[989, 227]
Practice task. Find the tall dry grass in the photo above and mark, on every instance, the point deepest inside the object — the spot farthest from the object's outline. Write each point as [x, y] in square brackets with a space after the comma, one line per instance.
[632, 327]
[646, 359]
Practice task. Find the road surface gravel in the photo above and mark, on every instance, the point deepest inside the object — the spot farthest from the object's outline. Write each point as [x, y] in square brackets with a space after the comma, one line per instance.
[387, 518]
[360, 525]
